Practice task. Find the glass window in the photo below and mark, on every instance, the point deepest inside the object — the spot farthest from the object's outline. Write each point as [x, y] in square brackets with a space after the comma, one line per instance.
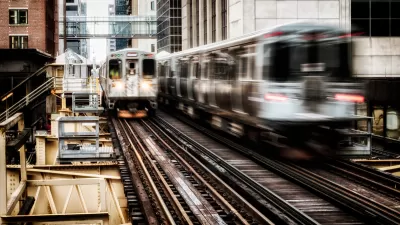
[392, 123]
[18, 42]
[115, 69]
[378, 119]
[18, 16]
[148, 67]
[362, 110]
[224, 5]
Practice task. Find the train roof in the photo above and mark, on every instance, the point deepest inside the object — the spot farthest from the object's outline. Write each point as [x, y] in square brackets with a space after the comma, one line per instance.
[128, 50]
[288, 27]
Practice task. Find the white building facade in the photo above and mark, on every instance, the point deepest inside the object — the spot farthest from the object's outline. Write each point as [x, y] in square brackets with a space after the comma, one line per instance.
[144, 8]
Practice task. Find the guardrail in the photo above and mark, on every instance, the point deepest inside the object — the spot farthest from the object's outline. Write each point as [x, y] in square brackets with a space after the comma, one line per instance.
[27, 99]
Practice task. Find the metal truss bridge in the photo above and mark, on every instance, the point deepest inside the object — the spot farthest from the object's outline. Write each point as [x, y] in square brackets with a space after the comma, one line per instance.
[132, 27]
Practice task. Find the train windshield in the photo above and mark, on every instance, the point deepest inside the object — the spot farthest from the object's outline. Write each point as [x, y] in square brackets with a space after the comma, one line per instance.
[115, 69]
[289, 61]
[149, 68]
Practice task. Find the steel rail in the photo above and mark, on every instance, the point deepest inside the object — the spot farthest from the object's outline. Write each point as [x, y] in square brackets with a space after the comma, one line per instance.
[358, 202]
[164, 182]
[367, 208]
[215, 192]
[148, 177]
[275, 200]
[380, 180]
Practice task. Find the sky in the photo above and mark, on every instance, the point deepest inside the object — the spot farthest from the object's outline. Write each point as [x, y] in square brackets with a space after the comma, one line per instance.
[98, 8]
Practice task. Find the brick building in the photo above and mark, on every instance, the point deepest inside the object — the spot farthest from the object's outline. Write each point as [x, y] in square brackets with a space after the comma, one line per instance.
[28, 40]
[29, 24]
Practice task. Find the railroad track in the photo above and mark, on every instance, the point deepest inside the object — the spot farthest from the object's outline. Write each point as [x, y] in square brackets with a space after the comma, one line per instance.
[180, 195]
[314, 206]
[380, 153]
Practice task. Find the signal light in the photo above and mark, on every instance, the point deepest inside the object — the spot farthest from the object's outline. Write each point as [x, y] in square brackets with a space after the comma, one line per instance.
[349, 98]
[275, 97]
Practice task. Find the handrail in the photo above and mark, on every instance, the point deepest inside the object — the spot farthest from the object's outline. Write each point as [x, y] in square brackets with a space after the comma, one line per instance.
[30, 97]
[38, 72]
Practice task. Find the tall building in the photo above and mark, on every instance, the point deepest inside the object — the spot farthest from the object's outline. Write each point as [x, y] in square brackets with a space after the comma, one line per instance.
[74, 8]
[28, 40]
[122, 8]
[111, 43]
[144, 8]
[169, 25]
[28, 25]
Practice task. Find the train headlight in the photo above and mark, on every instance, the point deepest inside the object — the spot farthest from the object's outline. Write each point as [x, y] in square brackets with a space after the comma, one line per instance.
[119, 85]
[145, 86]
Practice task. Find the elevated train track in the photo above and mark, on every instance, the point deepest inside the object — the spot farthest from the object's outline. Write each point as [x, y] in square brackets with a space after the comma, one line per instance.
[178, 165]
[320, 199]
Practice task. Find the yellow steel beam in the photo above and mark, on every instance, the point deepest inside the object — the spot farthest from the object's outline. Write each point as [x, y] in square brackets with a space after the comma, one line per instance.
[55, 217]
[64, 182]
[74, 174]
[15, 197]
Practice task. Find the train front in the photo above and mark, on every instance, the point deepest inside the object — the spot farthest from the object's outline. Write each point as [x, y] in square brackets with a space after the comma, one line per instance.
[310, 97]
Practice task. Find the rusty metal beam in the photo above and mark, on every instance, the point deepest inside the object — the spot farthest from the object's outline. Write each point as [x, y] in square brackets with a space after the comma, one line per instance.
[15, 197]
[55, 217]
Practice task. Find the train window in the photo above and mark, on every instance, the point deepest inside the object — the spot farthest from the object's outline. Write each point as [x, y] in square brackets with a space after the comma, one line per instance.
[184, 69]
[205, 70]
[161, 70]
[267, 57]
[115, 68]
[196, 70]
[148, 67]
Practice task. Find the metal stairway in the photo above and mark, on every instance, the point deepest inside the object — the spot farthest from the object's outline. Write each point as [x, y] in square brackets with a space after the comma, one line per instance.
[10, 111]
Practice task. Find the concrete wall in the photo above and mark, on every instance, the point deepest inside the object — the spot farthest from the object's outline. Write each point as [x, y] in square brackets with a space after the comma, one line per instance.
[377, 57]
[144, 44]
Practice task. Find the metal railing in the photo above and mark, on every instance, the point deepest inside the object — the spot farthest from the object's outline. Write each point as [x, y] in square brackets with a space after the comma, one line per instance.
[27, 99]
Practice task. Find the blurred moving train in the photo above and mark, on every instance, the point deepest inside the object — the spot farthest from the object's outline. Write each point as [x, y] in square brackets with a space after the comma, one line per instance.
[290, 86]
[129, 82]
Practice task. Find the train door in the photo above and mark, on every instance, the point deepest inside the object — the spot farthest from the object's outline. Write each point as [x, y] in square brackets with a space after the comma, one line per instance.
[116, 85]
[132, 77]
[161, 71]
[171, 80]
[183, 77]
[240, 73]
[193, 79]
[223, 64]
[201, 86]
[211, 82]
[248, 83]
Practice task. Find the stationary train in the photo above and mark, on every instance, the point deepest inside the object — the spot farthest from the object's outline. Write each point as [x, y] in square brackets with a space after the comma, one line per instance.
[290, 86]
[129, 82]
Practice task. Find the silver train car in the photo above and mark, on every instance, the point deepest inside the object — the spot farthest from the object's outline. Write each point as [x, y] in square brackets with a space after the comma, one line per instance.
[129, 82]
[290, 86]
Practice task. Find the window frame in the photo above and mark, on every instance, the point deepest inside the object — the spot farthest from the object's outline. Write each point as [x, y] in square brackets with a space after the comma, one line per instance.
[20, 41]
[389, 20]
[17, 16]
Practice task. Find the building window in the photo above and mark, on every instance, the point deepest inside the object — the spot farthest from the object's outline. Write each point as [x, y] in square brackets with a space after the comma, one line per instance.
[197, 23]
[18, 42]
[18, 16]
[153, 47]
[224, 24]
[205, 21]
[213, 21]
[376, 18]
[152, 5]
[190, 24]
